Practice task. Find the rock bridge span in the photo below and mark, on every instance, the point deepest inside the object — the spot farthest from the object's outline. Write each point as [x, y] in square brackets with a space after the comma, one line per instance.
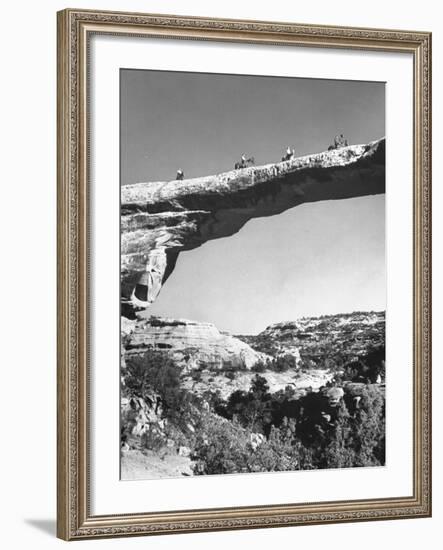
[161, 219]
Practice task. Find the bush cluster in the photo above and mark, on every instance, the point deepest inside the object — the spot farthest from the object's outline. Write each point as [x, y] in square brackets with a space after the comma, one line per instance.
[301, 432]
[256, 431]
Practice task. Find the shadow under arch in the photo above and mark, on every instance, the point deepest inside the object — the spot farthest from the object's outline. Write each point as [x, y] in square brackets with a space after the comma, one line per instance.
[160, 220]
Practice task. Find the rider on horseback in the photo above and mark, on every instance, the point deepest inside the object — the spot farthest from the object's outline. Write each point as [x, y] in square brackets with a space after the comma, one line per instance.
[340, 141]
[244, 162]
[289, 154]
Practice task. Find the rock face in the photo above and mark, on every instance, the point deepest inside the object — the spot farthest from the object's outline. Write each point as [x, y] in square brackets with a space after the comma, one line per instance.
[160, 219]
[192, 345]
[140, 416]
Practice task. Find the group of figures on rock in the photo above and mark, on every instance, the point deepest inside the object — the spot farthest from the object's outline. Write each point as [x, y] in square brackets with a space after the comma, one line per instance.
[244, 162]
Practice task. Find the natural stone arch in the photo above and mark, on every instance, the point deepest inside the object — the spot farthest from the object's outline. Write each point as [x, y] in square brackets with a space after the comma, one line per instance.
[161, 219]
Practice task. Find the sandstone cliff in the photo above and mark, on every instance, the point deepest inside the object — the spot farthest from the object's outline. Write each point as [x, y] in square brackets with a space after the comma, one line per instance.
[192, 345]
[160, 219]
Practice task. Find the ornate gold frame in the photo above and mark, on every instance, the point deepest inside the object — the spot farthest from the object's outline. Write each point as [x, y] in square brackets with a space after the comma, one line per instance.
[74, 518]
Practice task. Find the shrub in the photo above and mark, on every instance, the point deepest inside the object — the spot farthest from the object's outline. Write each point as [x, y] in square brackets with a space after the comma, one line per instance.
[223, 447]
[275, 455]
[154, 371]
[324, 436]
[220, 447]
[259, 367]
[284, 362]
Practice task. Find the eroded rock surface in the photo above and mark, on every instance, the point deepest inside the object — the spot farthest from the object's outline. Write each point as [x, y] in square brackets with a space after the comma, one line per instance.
[160, 219]
[191, 345]
[322, 340]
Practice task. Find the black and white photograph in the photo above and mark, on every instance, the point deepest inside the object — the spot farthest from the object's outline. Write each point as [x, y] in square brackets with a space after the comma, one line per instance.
[252, 275]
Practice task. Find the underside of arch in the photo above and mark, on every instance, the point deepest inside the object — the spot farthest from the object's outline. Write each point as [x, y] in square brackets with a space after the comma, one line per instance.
[161, 219]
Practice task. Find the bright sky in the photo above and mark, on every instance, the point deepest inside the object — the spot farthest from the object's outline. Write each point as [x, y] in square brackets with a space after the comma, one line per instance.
[317, 258]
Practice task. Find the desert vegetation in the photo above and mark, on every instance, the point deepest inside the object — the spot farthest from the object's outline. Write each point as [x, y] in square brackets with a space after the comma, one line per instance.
[256, 429]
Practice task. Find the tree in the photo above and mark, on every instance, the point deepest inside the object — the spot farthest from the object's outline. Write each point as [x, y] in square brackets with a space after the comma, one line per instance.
[368, 428]
[339, 452]
[358, 440]
[259, 387]
[249, 408]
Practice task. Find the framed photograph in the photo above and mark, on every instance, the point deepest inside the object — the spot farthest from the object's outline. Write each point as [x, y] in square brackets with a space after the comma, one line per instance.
[244, 320]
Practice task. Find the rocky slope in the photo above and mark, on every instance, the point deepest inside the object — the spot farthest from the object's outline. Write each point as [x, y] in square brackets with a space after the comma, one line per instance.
[326, 341]
[160, 219]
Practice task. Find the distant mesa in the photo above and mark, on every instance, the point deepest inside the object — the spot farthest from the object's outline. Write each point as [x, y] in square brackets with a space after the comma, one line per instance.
[161, 219]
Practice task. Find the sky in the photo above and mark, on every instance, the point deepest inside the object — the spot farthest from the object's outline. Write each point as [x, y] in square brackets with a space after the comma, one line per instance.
[314, 259]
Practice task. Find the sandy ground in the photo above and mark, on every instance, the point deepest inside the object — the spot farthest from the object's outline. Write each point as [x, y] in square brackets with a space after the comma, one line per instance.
[146, 465]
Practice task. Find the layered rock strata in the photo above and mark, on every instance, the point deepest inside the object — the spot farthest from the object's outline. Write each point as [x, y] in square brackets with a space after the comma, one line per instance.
[160, 219]
[191, 345]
